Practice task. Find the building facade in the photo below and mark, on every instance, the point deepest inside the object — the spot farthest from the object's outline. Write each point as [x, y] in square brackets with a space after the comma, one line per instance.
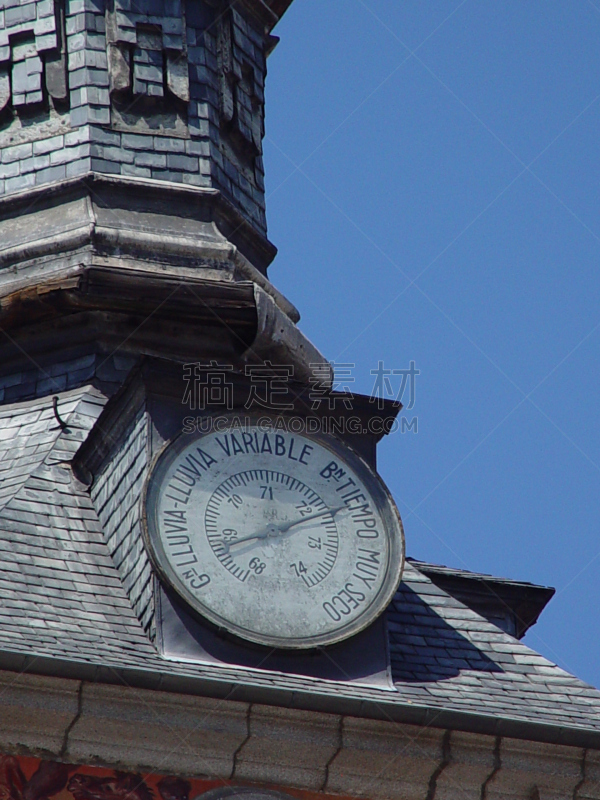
[136, 309]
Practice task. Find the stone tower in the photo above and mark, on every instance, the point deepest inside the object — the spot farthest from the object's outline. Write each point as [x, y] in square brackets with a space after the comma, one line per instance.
[151, 89]
[132, 205]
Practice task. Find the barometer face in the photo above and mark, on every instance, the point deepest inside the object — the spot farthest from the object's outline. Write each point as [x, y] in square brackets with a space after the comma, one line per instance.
[284, 539]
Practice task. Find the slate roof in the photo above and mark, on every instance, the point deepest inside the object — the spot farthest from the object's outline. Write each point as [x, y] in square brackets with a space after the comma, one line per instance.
[63, 610]
[513, 606]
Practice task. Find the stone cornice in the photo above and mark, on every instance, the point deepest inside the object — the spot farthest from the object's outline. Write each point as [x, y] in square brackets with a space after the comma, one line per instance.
[384, 708]
[129, 217]
[140, 729]
[158, 196]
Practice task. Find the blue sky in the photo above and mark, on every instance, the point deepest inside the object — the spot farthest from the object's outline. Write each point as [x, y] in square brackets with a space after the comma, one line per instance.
[432, 179]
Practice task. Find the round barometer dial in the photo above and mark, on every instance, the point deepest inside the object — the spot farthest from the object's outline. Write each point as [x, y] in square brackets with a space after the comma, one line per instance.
[284, 539]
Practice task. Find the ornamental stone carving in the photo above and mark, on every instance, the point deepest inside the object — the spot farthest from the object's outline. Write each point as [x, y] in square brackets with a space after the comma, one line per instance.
[241, 71]
[147, 62]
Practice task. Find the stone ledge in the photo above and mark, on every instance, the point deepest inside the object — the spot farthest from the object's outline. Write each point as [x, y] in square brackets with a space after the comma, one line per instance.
[471, 763]
[589, 789]
[239, 308]
[141, 729]
[168, 226]
[383, 760]
[35, 713]
[184, 215]
[288, 747]
[146, 730]
[554, 771]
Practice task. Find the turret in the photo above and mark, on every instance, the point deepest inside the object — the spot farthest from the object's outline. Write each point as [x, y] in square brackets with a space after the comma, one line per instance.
[158, 89]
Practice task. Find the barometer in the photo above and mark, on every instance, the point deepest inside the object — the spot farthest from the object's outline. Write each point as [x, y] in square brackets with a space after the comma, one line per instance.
[280, 537]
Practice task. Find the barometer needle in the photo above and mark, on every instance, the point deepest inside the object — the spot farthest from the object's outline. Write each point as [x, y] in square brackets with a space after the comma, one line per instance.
[275, 530]
[287, 525]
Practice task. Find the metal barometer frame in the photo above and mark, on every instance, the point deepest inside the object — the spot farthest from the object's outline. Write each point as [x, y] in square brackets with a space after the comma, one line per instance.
[378, 494]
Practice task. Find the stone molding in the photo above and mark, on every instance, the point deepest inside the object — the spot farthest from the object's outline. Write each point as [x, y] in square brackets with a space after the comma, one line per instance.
[186, 219]
[553, 770]
[36, 713]
[157, 731]
[589, 788]
[70, 218]
[140, 729]
[377, 759]
[246, 792]
[288, 746]
[469, 767]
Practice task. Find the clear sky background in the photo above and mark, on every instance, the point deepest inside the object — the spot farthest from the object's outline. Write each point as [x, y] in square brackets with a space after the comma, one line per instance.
[433, 187]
